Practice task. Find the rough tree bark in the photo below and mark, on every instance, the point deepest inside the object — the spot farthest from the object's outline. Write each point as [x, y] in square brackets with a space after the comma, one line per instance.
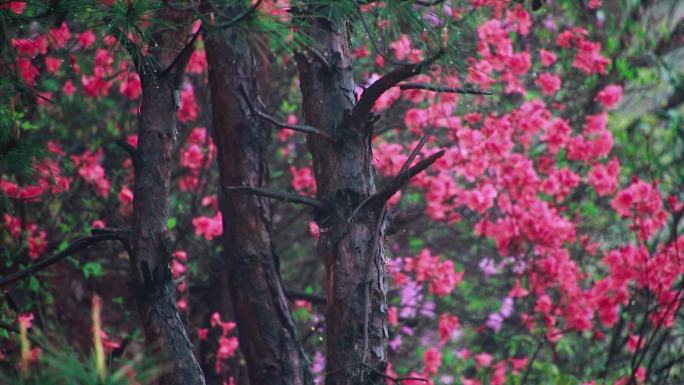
[353, 250]
[265, 326]
[353, 217]
[151, 245]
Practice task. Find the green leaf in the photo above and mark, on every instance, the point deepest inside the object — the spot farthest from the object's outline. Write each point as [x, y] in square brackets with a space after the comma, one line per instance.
[589, 209]
[34, 284]
[416, 244]
[92, 269]
[171, 223]
[413, 198]
[63, 245]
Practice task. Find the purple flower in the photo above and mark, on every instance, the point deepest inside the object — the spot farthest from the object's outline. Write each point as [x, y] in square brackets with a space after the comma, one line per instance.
[396, 342]
[433, 19]
[428, 309]
[428, 339]
[494, 321]
[410, 298]
[519, 265]
[488, 267]
[506, 307]
[318, 363]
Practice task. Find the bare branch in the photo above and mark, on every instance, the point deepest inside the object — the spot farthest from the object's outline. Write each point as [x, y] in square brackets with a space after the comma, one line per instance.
[434, 88]
[183, 56]
[132, 151]
[416, 151]
[396, 380]
[239, 17]
[371, 94]
[424, 3]
[138, 59]
[299, 294]
[279, 195]
[79, 244]
[402, 179]
[296, 127]
[405, 174]
[9, 327]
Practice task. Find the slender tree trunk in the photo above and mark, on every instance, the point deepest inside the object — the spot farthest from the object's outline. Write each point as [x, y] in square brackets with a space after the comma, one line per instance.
[266, 329]
[151, 244]
[352, 248]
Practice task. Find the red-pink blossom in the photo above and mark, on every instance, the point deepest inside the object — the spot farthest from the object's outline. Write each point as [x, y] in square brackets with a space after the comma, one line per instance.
[28, 71]
[68, 88]
[593, 4]
[208, 227]
[126, 195]
[604, 178]
[26, 320]
[401, 48]
[130, 86]
[91, 171]
[52, 64]
[303, 180]
[198, 62]
[227, 347]
[483, 360]
[549, 83]
[86, 39]
[189, 109]
[547, 57]
[59, 36]
[610, 96]
[14, 6]
[448, 325]
[521, 18]
[589, 59]
[432, 360]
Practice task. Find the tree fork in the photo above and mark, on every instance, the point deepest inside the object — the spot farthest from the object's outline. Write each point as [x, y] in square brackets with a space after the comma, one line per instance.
[354, 253]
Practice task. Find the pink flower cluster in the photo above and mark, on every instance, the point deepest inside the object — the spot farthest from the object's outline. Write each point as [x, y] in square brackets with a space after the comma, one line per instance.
[37, 239]
[440, 275]
[227, 345]
[89, 165]
[197, 154]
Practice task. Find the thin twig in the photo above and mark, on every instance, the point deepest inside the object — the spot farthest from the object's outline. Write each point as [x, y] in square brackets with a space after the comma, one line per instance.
[132, 151]
[424, 3]
[296, 127]
[8, 327]
[239, 17]
[405, 174]
[299, 294]
[534, 357]
[183, 56]
[138, 59]
[374, 91]
[279, 195]
[396, 380]
[435, 88]
[78, 245]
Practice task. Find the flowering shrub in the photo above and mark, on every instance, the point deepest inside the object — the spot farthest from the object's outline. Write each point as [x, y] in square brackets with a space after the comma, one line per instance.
[542, 247]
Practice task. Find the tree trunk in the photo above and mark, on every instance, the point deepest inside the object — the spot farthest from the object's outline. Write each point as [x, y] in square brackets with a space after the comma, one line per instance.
[353, 250]
[265, 326]
[151, 244]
